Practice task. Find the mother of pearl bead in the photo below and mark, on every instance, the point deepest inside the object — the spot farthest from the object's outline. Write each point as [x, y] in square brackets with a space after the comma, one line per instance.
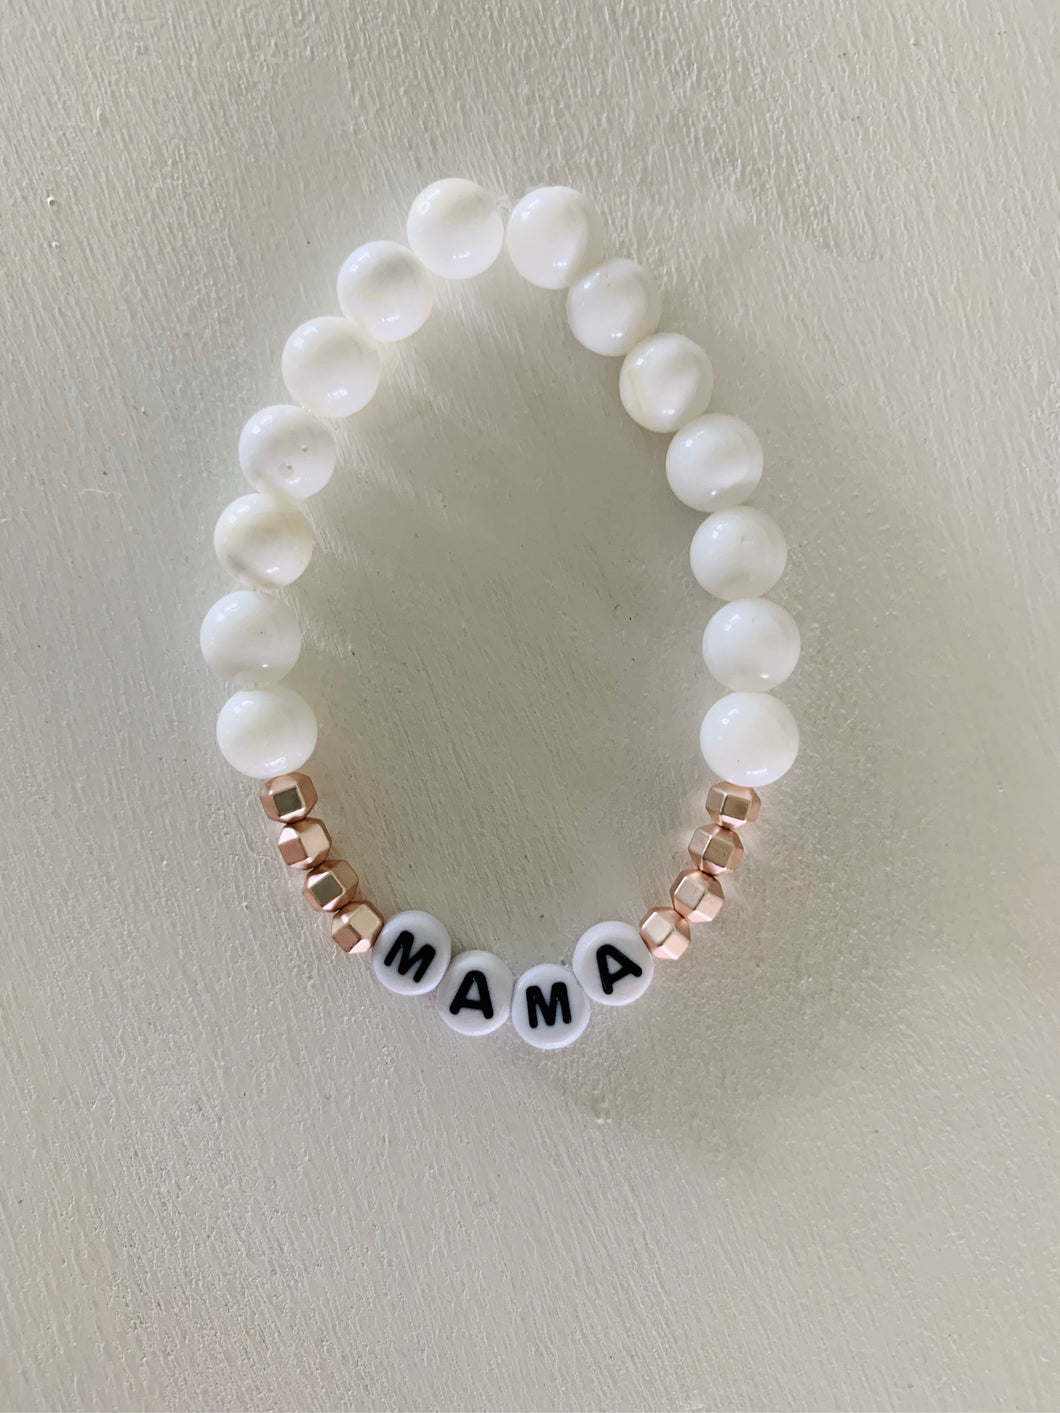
[751, 645]
[738, 553]
[250, 638]
[331, 366]
[455, 228]
[714, 462]
[384, 287]
[267, 732]
[665, 381]
[287, 449]
[264, 540]
[554, 236]
[749, 738]
[614, 307]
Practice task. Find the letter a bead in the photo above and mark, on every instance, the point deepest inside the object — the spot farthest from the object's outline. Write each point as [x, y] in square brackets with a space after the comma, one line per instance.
[613, 964]
[411, 953]
[549, 1007]
[475, 995]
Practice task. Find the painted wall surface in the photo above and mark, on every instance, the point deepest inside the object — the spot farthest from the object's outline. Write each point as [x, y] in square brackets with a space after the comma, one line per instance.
[816, 1168]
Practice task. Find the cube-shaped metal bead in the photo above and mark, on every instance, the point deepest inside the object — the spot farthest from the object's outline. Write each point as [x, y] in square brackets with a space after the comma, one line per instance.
[733, 805]
[286, 798]
[356, 926]
[697, 896]
[715, 849]
[303, 843]
[665, 932]
[330, 886]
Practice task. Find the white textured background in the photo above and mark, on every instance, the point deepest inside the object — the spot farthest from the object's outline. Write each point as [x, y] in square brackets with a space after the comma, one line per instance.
[817, 1167]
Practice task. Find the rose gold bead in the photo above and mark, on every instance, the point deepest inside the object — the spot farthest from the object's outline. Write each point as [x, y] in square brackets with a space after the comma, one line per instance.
[665, 932]
[304, 843]
[330, 886]
[356, 927]
[715, 849]
[697, 896]
[734, 805]
[286, 798]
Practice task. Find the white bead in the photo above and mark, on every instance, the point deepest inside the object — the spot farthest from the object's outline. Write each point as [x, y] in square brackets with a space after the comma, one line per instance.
[613, 307]
[714, 462]
[267, 732]
[263, 540]
[613, 964]
[665, 381]
[475, 995]
[751, 645]
[749, 738]
[411, 953]
[554, 236]
[455, 228]
[384, 287]
[250, 638]
[738, 553]
[549, 1007]
[331, 366]
[287, 449]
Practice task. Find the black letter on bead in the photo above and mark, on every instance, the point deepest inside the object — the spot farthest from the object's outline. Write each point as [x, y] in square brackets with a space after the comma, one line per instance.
[403, 949]
[558, 1000]
[481, 1001]
[625, 967]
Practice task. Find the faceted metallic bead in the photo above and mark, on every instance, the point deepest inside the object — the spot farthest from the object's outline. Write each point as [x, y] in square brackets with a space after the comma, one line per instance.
[330, 886]
[697, 896]
[303, 843]
[666, 933]
[715, 849]
[356, 926]
[286, 798]
[734, 805]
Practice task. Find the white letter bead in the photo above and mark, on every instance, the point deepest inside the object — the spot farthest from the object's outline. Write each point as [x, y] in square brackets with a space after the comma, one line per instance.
[250, 638]
[384, 287]
[751, 645]
[455, 228]
[549, 1007]
[268, 732]
[331, 366]
[475, 995]
[411, 953]
[614, 307]
[554, 236]
[287, 449]
[665, 381]
[749, 738]
[714, 462]
[264, 540]
[613, 964]
[738, 553]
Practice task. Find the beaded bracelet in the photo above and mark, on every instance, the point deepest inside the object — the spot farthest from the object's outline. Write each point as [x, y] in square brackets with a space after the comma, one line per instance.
[331, 368]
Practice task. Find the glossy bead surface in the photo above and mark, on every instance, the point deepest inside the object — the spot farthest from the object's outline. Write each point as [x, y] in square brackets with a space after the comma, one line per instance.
[475, 994]
[715, 848]
[330, 885]
[697, 896]
[287, 797]
[665, 933]
[554, 235]
[714, 462]
[751, 645]
[331, 366]
[267, 731]
[355, 927]
[250, 638]
[411, 953]
[455, 228]
[614, 307]
[303, 843]
[613, 964]
[263, 540]
[384, 287]
[285, 448]
[749, 737]
[549, 1007]
[733, 805]
[664, 381]
[738, 553]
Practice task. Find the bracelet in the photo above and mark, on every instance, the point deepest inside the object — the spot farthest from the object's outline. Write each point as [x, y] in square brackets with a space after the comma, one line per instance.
[331, 368]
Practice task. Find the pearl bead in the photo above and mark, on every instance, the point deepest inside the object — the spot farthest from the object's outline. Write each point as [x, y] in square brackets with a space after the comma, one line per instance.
[455, 228]
[285, 448]
[266, 732]
[384, 287]
[263, 540]
[613, 307]
[554, 236]
[330, 366]
[749, 738]
[714, 462]
[738, 553]
[250, 638]
[751, 645]
[665, 381]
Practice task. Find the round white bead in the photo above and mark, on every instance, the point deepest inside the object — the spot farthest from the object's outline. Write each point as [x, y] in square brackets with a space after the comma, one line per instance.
[738, 553]
[411, 953]
[455, 228]
[287, 449]
[554, 236]
[613, 307]
[751, 645]
[714, 462]
[263, 540]
[549, 1007]
[749, 738]
[613, 964]
[267, 732]
[250, 638]
[385, 288]
[475, 995]
[331, 366]
[666, 380]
